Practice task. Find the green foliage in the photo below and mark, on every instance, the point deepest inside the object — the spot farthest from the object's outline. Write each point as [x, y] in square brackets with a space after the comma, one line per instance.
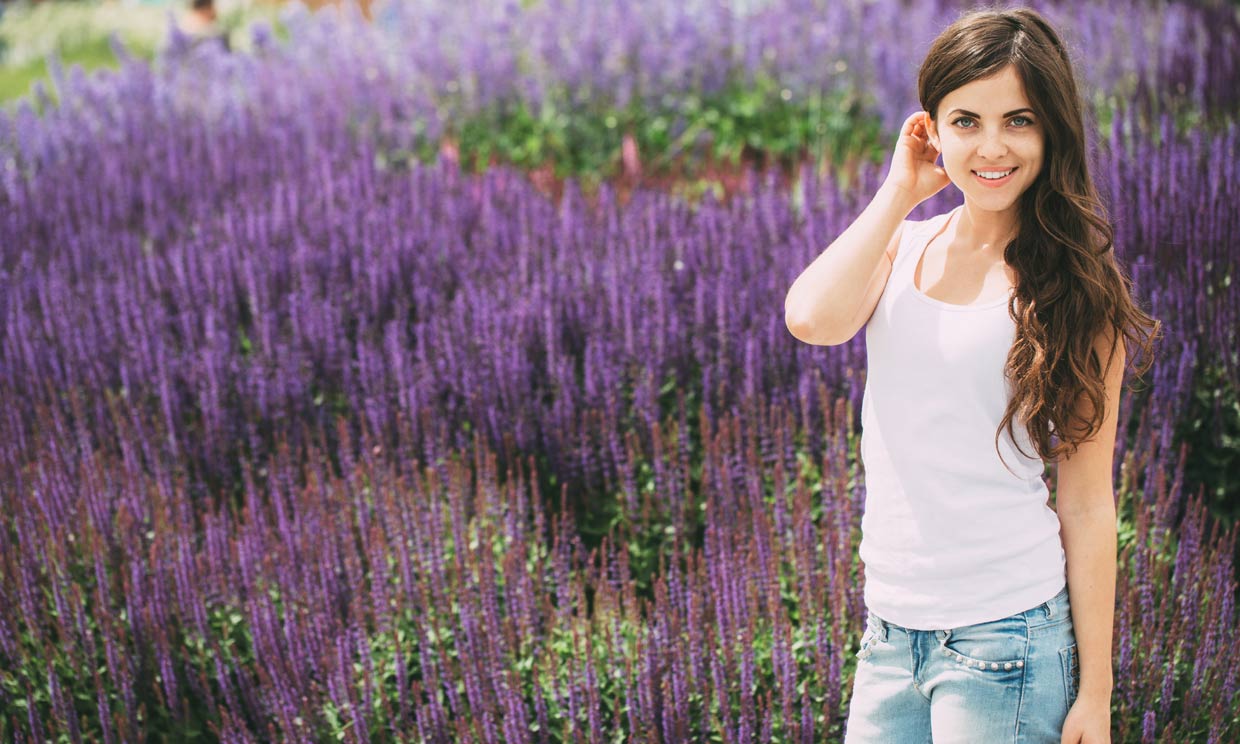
[1211, 427]
[676, 134]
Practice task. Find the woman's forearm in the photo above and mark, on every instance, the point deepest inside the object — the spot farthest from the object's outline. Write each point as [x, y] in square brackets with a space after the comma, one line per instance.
[1090, 544]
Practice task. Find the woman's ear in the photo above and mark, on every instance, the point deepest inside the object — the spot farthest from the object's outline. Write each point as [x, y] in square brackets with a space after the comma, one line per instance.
[932, 133]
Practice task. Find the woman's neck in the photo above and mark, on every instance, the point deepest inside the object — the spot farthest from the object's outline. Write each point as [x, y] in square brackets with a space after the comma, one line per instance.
[985, 230]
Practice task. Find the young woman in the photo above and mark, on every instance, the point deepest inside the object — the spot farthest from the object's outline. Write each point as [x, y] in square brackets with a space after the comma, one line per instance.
[990, 330]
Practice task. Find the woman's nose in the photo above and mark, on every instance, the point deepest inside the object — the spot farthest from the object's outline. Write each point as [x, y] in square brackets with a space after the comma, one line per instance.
[992, 147]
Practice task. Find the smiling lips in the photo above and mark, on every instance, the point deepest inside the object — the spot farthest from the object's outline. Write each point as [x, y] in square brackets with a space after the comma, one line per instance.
[994, 182]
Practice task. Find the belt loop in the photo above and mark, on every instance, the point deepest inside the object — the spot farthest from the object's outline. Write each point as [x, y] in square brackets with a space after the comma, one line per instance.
[880, 627]
[1049, 608]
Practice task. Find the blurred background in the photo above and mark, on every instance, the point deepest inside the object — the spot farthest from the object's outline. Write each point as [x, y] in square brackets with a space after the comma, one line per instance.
[79, 30]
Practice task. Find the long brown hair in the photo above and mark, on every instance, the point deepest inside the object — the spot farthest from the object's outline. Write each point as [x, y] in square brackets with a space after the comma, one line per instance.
[1069, 286]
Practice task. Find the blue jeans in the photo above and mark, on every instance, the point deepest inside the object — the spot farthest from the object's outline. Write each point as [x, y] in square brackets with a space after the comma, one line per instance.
[1008, 680]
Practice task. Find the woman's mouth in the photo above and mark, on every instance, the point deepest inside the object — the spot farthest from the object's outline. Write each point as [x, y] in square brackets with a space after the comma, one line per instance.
[994, 178]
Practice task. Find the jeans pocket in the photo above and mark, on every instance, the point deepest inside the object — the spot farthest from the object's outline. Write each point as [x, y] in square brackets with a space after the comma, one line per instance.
[996, 648]
[1071, 672]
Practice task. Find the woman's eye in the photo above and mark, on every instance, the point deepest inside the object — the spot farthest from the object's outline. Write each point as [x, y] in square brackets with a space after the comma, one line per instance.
[1027, 120]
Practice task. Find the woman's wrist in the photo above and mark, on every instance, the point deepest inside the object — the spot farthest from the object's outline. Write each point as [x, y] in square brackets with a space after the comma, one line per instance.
[899, 197]
[1102, 688]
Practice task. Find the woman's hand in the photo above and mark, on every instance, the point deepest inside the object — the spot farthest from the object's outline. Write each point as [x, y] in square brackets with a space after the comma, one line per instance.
[1088, 721]
[912, 164]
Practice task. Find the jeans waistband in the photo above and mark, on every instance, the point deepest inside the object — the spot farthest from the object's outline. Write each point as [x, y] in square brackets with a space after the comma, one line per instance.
[1052, 608]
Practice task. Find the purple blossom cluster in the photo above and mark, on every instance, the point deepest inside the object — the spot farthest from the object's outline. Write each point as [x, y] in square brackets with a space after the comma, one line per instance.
[431, 603]
[297, 447]
[416, 70]
[466, 56]
[149, 352]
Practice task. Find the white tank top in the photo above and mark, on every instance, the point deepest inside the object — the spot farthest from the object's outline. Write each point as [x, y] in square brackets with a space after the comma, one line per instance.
[950, 537]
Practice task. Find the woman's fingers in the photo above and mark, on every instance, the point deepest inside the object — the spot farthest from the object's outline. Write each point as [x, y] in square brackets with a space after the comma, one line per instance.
[918, 128]
[911, 123]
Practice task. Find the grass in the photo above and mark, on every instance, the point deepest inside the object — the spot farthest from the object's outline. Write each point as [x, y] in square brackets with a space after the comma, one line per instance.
[79, 32]
[18, 80]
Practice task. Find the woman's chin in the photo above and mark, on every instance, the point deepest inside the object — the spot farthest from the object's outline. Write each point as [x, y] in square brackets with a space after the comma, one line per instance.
[990, 201]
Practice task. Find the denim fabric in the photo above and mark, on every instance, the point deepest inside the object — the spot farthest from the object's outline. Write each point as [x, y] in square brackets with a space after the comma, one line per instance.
[1008, 680]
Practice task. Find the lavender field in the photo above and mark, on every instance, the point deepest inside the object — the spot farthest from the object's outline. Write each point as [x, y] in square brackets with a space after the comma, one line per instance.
[315, 429]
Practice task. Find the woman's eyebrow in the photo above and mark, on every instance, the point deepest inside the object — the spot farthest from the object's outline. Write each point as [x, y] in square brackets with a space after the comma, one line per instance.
[978, 116]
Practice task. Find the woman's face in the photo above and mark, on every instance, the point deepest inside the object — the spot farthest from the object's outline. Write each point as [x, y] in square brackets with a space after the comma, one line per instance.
[989, 126]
